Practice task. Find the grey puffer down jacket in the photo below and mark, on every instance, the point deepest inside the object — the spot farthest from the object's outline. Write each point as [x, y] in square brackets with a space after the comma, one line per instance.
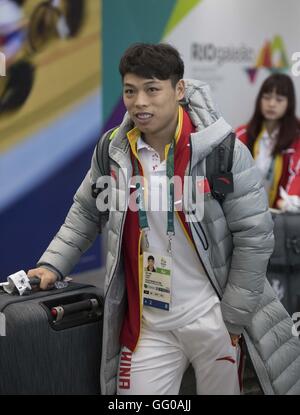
[234, 242]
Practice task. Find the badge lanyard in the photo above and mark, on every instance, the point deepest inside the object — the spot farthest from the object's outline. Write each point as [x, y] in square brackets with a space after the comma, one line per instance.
[143, 221]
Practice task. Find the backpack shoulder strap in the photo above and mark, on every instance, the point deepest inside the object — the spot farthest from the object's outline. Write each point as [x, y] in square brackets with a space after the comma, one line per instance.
[102, 151]
[218, 168]
[102, 157]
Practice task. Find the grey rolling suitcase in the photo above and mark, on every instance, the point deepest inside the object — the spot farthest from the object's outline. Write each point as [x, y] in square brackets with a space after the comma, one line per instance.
[284, 266]
[52, 342]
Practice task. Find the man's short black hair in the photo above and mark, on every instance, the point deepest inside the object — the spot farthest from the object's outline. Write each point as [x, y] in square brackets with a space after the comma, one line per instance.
[150, 257]
[161, 61]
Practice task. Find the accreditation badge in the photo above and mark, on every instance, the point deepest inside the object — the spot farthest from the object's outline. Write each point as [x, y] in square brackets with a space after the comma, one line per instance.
[157, 280]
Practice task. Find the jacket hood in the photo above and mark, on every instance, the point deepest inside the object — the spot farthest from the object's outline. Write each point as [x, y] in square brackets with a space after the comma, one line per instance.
[199, 104]
[211, 128]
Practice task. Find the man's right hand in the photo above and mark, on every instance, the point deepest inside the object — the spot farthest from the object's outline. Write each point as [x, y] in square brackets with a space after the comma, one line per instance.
[47, 277]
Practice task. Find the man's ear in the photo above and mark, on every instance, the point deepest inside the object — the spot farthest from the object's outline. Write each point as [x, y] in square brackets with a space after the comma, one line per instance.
[180, 89]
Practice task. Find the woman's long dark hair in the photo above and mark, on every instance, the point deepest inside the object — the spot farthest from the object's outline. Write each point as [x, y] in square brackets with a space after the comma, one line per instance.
[289, 124]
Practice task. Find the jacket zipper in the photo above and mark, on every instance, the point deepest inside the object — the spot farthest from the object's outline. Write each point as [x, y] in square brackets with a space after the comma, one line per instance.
[140, 291]
[119, 249]
[119, 254]
[204, 267]
[199, 256]
[206, 246]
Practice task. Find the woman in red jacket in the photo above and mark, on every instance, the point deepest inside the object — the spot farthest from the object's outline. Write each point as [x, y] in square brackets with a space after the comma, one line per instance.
[273, 137]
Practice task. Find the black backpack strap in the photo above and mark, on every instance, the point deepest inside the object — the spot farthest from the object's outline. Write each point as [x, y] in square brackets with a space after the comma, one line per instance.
[102, 153]
[102, 157]
[218, 168]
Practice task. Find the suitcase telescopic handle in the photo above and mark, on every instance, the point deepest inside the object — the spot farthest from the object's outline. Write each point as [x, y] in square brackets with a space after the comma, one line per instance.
[35, 281]
[61, 311]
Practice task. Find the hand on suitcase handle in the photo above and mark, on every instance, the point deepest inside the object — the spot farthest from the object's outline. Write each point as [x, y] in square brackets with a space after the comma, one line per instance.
[47, 278]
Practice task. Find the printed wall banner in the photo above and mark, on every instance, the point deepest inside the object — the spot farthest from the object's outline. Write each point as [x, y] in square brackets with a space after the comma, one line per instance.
[232, 45]
[50, 120]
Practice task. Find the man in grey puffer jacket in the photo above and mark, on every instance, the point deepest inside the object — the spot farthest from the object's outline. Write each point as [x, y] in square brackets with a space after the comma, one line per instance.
[219, 288]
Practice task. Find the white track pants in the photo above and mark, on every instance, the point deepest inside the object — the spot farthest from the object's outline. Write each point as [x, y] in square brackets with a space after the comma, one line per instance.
[161, 358]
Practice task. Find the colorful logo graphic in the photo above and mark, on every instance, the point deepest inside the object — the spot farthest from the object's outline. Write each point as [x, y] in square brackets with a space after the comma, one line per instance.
[272, 56]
